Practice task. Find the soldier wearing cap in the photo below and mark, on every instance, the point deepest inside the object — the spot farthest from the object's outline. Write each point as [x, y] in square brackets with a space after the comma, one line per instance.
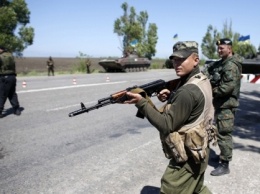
[183, 123]
[8, 81]
[225, 76]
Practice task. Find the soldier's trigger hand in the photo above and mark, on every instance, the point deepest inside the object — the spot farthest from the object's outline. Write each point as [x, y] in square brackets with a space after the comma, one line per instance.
[163, 95]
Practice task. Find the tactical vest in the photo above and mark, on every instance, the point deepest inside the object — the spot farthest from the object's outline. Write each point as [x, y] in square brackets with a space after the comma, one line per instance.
[193, 139]
[7, 63]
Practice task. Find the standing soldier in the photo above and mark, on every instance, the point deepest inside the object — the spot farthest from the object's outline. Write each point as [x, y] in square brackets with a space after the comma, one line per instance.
[185, 124]
[88, 64]
[50, 66]
[225, 78]
[8, 81]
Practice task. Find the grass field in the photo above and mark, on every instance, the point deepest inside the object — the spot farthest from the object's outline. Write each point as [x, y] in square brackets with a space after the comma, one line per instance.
[37, 65]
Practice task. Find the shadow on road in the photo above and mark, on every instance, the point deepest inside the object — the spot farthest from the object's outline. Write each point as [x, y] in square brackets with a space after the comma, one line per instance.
[150, 190]
[247, 121]
[10, 111]
[213, 159]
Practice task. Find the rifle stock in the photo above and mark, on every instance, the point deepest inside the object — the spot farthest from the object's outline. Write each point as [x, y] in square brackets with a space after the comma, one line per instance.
[151, 89]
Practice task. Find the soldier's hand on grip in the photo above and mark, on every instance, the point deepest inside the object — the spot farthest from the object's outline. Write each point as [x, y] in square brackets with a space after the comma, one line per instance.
[163, 95]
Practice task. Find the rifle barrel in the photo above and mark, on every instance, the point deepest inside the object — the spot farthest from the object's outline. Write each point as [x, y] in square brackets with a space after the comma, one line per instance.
[83, 109]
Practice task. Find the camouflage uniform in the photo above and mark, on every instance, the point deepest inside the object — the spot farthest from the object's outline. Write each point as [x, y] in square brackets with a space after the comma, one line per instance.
[88, 64]
[184, 108]
[8, 82]
[50, 66]
[225, 76]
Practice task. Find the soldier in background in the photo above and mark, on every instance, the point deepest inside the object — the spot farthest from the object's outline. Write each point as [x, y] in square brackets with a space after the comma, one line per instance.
[225, 78]
[88, 64]
[50, 66]
[8, 81]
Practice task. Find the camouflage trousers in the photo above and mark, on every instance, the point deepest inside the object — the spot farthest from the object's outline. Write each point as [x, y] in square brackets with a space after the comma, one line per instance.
[225, 123]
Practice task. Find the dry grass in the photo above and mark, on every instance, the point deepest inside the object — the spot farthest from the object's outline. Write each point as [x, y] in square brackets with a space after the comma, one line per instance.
[62, 65]
[37, 65]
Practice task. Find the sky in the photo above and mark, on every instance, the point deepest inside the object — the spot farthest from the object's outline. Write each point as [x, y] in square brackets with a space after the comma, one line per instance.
[64, 28]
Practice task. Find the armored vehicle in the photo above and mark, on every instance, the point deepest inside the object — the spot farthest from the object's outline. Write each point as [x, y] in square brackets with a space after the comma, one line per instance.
[129, 63]
[251, 65]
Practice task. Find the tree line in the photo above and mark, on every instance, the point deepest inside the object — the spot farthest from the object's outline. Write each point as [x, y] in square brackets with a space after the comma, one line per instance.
[138, 36]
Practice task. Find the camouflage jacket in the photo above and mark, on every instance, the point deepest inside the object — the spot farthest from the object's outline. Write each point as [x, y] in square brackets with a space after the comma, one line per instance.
[225, 78]
[7, 64]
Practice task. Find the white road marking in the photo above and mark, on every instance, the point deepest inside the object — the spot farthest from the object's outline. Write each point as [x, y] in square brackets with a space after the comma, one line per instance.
[66, 87]
[74, 86]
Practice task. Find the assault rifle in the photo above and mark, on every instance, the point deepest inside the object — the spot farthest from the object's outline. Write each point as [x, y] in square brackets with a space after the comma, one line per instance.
[151, 89]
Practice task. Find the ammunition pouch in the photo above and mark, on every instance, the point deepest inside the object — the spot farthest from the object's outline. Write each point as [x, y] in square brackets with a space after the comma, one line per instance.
[196, 141]
[173, 147]
[192, 142]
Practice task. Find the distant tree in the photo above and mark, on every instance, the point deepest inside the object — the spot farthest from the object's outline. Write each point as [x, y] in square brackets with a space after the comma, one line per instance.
[14, 34]
[246, 49]
[208, 45]
[133, 27]
[83, 63]
[209, 48]
[168, 64]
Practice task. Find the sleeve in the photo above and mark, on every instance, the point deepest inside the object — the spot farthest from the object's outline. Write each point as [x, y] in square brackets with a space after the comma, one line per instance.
[177, 115]
[228, 80]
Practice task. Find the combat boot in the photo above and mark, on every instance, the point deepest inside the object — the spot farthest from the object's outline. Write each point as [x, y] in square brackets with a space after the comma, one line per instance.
[17, 112]
[222, 169]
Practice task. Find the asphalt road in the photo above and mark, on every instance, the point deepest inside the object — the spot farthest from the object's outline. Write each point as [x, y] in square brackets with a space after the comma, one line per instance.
[107, 150]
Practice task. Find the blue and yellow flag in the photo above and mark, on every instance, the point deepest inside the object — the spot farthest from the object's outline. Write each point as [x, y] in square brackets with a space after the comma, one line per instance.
[243, 38]
[134, 43]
